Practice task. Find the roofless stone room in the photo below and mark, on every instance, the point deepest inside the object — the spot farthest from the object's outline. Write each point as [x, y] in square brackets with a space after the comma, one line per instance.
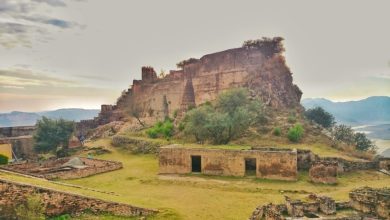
[180, 110]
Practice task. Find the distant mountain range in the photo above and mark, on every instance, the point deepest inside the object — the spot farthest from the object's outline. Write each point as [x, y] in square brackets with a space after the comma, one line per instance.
[17, 118]
[374, 110]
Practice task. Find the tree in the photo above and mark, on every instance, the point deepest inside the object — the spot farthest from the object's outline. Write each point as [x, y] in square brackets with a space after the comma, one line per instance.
[32, 209]
[344, 134]
[362, 143]
[136, 111]
[51, 134]
[295, 133]
[232, 115]
[320, 116]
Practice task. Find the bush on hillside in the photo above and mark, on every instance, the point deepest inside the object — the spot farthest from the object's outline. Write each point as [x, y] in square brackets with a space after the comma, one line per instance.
[295, 133]
[343, 133]
[277, 131]
[161, 129]
[232, 114]
[32, 209]
[320, 116]
[52, 133]
[3, 159]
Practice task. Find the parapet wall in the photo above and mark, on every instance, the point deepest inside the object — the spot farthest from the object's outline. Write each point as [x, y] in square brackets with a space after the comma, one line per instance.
[57, 202]
[16, 131]
[269, 164]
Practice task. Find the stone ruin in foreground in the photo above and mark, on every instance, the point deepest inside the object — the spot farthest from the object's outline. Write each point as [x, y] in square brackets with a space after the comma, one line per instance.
[365, 203]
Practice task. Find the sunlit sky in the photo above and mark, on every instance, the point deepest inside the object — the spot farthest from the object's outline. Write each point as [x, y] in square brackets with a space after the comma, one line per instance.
[79, 53]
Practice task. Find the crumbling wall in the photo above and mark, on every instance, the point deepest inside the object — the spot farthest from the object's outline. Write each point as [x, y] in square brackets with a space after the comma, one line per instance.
[371, 201]
[57, 202]
[269, 164]
[324, 172]
[53, 169]
[23, 146]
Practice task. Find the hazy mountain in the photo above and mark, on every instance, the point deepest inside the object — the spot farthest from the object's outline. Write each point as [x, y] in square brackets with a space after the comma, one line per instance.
[17, 118]
[370, 111]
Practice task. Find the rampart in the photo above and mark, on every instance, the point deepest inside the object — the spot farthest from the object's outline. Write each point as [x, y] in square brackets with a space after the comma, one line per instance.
[6, 132]
[265, 74]
[266, 163]
[57, 202]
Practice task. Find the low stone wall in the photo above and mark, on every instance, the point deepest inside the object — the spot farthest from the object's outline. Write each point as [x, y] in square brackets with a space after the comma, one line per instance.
[268, 164]
[371, 201]
[23, 146]
[135, 145]
[52, 169]
[57, 202]
[324, 172]
[305, 159]
[348, 166]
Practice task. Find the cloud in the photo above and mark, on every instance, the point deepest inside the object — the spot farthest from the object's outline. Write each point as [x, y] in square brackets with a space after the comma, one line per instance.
[23, 20]
[21, 78]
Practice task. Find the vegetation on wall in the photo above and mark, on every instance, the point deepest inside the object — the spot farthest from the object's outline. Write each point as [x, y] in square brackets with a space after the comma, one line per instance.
[268, 46]
[52, 134]
[320, 116]
[231, 115]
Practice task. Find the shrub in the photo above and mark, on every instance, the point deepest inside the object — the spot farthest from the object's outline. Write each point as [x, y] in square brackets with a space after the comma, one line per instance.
[320, 116]
[362, 143]
[61, 217]
[295, 133]
[291, 119]
[161, 129]
[277, 131]
[3, 159]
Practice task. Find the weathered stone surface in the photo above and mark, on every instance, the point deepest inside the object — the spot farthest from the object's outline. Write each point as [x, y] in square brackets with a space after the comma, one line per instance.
[305, 159]
[295, 208]
[53, 169]
[22, 146]
[327, 205]
[16, 131]
[324, 172]
[371, 201]
[135, 145]
[57, 202]
[269, 164]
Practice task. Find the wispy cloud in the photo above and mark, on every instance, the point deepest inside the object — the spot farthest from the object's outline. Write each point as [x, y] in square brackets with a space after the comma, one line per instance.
[20, 78]
[20, 20]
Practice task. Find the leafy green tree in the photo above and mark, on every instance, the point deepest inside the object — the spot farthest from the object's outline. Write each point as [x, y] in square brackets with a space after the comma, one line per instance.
[362, 143]
[343, 133]
[295, 133]
[232, 115]
[320, 116]
[51, 134]
[3, 159]
[33, 209]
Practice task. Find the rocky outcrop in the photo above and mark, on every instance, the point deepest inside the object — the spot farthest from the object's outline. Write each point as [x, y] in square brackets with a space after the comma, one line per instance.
[261, 69]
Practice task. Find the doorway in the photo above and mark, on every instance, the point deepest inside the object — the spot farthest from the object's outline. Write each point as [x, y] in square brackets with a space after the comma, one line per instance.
[196, 164]
[250, 166]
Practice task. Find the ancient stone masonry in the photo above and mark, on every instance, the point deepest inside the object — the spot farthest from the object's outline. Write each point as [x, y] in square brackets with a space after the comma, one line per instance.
[365, 203]
[21, 140]
[64, 168]
[16, 131]
[324, 172]
[265, 75]
[57, 202]
[265, 163]
[371, 201]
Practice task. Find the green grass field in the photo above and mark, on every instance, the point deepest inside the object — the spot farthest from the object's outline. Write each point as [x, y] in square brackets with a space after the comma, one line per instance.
[197, 196]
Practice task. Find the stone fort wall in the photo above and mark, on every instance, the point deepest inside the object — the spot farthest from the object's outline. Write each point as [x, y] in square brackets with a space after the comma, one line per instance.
[201, 80]
[270, 164]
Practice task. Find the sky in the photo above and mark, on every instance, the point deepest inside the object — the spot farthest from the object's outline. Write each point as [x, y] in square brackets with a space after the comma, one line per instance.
[83, 53]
